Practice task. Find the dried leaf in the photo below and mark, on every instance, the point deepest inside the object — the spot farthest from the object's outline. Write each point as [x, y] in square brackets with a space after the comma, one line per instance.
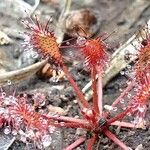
[56, 110]
[21, 74]
[81, 22]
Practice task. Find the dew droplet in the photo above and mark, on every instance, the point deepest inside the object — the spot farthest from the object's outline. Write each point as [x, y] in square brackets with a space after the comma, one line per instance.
[141, 109]
[30, 133]
[120, 90]
[23, 138]
[67, 43]
[51, 19]
[129, 114]
[122, 101]
[126, 51]
[14, 132]
[2, 110]
[114, 109]
[46, 141]
[6, 116]
[7, 101]
[81, 41]
[43, 103]
[8, 82]
[107, 64]
[129, 66]
[51, 128]
[128, 82]
[3, 94]
[124, 108]
[129, 95]
[135, 89]
[127, 72]
[55, 122]
[7, 130]
[108, 107]
[122, 72]
[18, 120]
[39, 145]
[130, 148]
[62, 124]
[35, 55]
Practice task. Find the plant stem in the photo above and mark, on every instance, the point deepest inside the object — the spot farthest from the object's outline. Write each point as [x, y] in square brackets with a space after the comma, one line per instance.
[81, 123]
[123, 124]
[115, 139]
[71, 125]
[100, 93]
[94, 87]
[91, 142]
[70, 119]
[119, 116]
[82, 101]
[76, 143]
[66, 119]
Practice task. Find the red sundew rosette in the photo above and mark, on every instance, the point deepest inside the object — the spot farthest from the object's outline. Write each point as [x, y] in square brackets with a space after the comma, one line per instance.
[140, 101]
[142, 77]
[94, 53]
[29, 117]
[44, 41]
[142, 66]
[96, 58]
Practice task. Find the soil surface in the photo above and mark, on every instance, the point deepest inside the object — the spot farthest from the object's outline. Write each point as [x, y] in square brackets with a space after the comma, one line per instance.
[117, 15]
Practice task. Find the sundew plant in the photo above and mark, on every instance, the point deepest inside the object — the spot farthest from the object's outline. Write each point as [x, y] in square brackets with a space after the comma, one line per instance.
[19, 117]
